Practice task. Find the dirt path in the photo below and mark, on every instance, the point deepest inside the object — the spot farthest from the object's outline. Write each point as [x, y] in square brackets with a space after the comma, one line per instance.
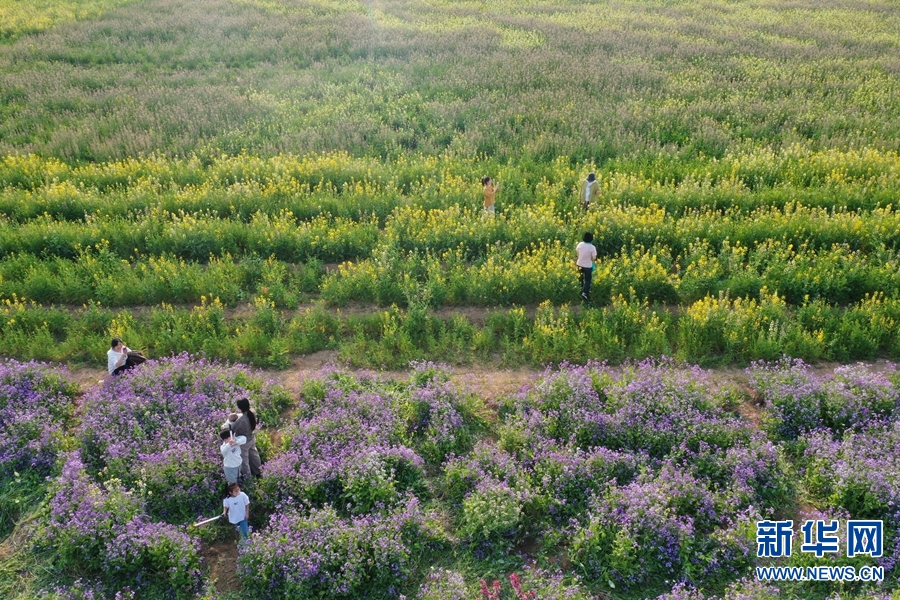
[222, 558]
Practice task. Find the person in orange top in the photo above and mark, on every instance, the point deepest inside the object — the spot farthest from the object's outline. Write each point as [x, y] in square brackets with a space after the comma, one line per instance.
[490, 190]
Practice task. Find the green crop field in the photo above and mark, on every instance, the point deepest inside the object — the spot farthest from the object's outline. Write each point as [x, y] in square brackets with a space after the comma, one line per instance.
[260, 180]
[271, 162]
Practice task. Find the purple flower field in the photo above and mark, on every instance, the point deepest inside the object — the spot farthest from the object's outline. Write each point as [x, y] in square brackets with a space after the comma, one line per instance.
[36, 401]
[640, 479]
[156, 430]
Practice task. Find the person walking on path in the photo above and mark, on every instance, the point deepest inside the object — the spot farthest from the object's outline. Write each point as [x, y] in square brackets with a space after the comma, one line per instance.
[490, 191]
[589, 192]
[245, 425]
[237, 506]
[231, 454]
[587, 255]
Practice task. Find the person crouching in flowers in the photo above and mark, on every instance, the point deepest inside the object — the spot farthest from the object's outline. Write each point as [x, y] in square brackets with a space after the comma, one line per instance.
[231, 454]
[120, 358]
[490, 190]
[237, 507]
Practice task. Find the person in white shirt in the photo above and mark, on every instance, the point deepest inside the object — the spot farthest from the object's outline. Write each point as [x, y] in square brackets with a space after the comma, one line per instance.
[231, 454]
[587, 254]
[237, 507]
[117, 359]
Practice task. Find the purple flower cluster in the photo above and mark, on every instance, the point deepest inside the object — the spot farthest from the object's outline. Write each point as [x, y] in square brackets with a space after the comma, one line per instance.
[443, 584]
[343, 489]
[640, 466]
[743, 589]
[105, 528]
[859, 473]
[664, 524]
[800, 401]
[436, 418]
[358, 443]
[650, 407]
[846, 429]
[156, 429]
[88, 590]
[36, 401]
[345, 449]
[321, 554]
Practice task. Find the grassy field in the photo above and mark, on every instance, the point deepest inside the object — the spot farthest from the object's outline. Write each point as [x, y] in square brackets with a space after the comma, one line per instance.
[258, 180]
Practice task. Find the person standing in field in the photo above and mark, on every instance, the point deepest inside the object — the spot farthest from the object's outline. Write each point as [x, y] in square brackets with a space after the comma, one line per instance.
[587, 254]
[490, 190]
[245, 425]
[237, 507]
[231, 454]
[589, 192]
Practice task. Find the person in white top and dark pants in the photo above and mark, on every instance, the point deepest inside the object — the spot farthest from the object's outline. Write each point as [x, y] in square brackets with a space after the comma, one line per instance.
[587, 254]
[119, 358]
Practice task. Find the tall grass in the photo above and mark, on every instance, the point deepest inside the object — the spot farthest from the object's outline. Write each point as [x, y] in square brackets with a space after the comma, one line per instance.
[527, 81]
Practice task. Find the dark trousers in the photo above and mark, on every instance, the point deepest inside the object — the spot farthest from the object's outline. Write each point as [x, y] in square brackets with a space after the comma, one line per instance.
[585, 278]
[130, 363]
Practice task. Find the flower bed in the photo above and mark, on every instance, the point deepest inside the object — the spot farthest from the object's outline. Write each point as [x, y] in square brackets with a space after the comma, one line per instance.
[156, 430]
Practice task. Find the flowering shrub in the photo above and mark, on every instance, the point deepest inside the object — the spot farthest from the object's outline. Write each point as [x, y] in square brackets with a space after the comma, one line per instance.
[438, 419]
[87, 590]
[799, 401]
[344, 449]
[36, 402]
[650, 408]
[656, 527]
[857, 471]
[743, 589]
[358, 443]
[856, 395]
[105, 529]
[490, 515]
[156, 430]
[569, 476]
[486, 462]
[650, 476]
[324, 555]
[443, 584]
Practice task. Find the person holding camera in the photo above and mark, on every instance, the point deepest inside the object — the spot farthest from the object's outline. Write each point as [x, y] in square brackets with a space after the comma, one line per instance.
[120, 358]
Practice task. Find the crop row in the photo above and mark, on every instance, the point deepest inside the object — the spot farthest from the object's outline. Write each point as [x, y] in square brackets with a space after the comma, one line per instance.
[197, 236]
[545, 271]
[339, 185]
[709, 331]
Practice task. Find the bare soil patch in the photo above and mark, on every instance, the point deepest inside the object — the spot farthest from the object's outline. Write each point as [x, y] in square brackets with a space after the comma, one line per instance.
[222, 558]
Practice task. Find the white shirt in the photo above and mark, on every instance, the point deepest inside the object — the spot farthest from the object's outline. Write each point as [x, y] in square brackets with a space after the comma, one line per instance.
[587, 254]
[112, 357]
[236, 507]
[231, 455]
[587, 190]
